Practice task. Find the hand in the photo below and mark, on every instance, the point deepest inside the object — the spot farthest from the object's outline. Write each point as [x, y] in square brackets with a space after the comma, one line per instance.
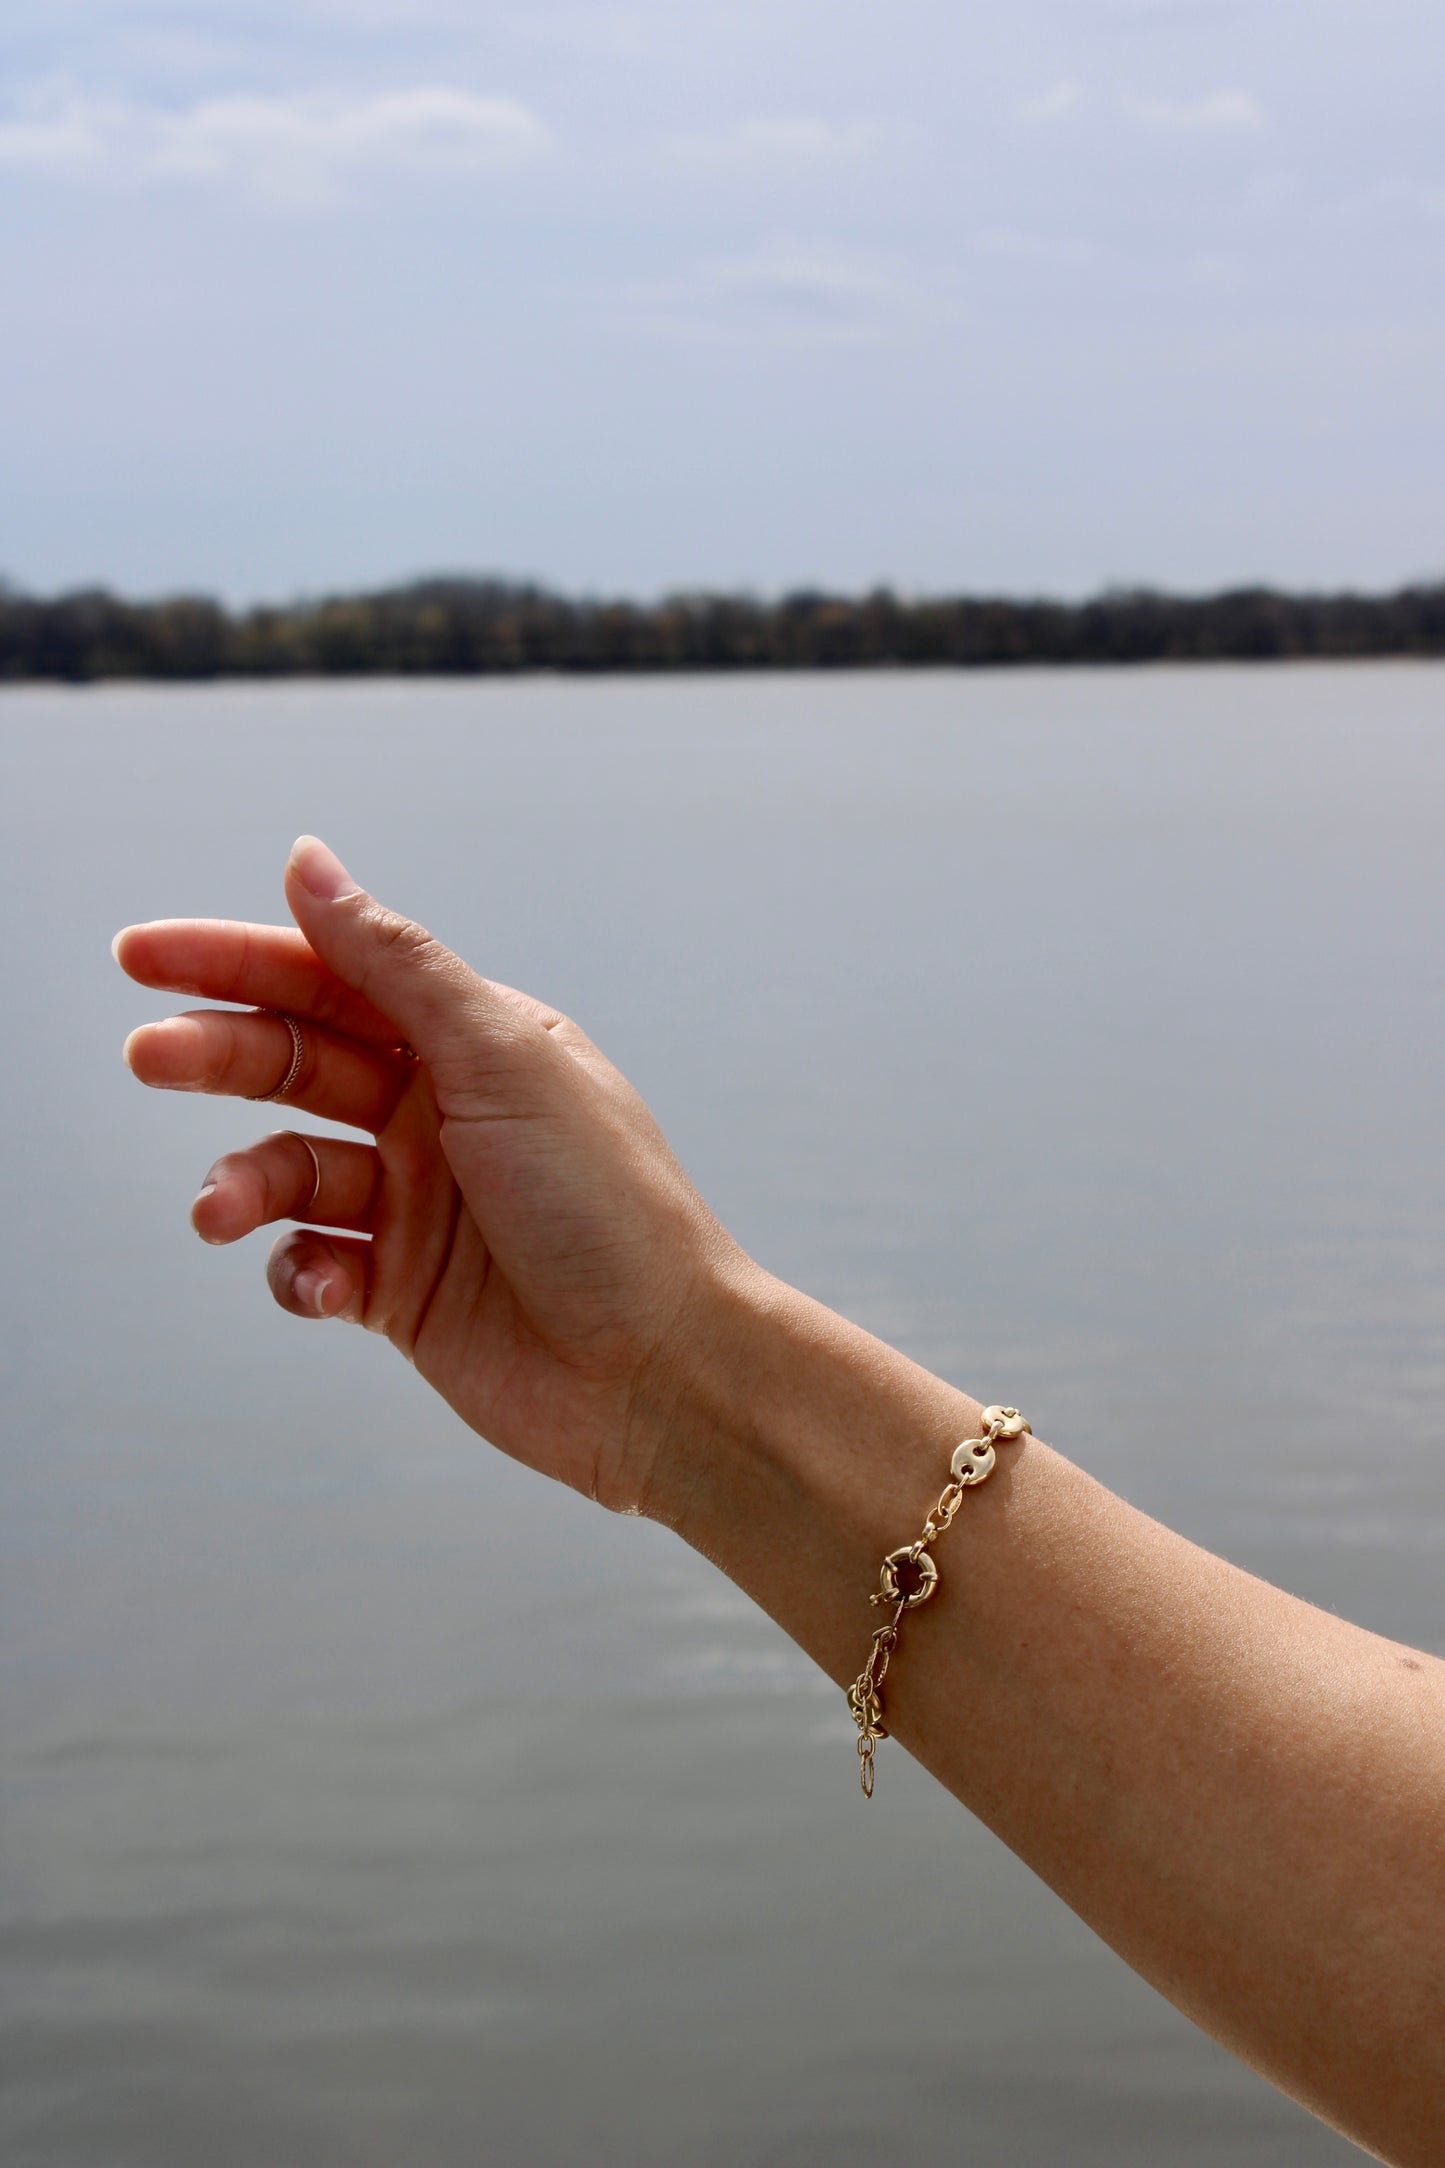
[534, 1247]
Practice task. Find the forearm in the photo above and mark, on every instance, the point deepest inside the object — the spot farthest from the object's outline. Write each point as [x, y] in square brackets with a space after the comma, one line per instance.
[1243, 1795]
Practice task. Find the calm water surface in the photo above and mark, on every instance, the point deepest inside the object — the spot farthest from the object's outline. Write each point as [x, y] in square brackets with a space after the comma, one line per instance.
[368, 1801]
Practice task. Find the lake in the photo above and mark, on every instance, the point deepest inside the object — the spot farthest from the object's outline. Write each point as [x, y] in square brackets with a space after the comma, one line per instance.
[368, 1800]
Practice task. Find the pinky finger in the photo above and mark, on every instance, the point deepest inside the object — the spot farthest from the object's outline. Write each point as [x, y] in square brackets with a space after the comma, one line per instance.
[315, 1275]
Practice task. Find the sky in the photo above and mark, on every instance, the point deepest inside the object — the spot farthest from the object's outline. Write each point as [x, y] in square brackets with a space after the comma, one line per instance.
[1034, 297]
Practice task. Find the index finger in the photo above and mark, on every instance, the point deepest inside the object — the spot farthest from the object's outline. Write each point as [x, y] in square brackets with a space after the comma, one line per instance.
[266, 967]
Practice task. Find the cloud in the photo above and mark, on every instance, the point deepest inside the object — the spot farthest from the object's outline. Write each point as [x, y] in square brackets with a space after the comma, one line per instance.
[811, 282]
[1219, 112]
[63, 141]
[1215, 112]
[765, 145]
[1060, 98]
[783, 293]
[287, 149]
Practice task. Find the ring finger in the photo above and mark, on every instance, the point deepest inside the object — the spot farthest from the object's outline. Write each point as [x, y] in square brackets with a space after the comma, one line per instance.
[247, 1056]
[324, 1181]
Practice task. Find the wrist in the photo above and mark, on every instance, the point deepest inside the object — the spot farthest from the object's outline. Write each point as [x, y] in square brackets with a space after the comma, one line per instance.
[692, 1403]
[789, 1433]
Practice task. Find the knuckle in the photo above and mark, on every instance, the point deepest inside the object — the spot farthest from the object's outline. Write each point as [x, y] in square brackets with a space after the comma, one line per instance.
[246, 1178]
[241, 963]
[229, 1065]
[278, 1168]
[403, 938]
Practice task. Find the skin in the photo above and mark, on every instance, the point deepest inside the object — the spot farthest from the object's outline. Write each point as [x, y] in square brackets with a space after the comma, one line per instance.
[1245, 1796]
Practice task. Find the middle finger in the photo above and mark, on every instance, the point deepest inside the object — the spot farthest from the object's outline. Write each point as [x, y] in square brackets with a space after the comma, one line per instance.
[247, 1056]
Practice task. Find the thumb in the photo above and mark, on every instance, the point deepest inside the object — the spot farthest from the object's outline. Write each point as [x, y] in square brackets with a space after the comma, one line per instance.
[462, 1026]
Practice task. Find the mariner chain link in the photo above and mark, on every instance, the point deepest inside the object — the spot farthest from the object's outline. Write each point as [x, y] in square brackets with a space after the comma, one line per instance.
[910, 1576]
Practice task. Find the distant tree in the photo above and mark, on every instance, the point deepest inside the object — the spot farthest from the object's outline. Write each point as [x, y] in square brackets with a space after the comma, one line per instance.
[460, 626]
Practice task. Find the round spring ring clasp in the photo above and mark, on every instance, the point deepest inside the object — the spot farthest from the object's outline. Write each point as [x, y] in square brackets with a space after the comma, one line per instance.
[923, 1577]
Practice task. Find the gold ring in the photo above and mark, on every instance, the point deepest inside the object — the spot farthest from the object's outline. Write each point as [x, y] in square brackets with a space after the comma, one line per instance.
[309, 1149]
[298, 1055]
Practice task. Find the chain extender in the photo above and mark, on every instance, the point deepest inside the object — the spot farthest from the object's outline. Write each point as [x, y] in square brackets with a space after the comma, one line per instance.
[910, 1577]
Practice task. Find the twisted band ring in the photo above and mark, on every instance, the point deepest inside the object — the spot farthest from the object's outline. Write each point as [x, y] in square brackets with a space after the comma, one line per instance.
[298, 1055]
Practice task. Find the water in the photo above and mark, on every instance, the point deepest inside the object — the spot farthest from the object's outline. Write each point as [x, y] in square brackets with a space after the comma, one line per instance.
[369, 1801]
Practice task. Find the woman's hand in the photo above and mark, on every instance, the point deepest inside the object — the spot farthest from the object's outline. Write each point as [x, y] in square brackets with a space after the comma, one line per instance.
[534, 1247]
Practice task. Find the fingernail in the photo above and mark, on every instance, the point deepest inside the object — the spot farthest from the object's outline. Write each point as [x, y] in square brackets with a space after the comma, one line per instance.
[115, 944]
[130, 1039]
[207, 1189]
[321, 871]
[310, 1288]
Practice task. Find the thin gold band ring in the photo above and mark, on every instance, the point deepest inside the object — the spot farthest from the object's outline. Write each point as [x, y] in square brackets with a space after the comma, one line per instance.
[298, 1055]
[305, 1211]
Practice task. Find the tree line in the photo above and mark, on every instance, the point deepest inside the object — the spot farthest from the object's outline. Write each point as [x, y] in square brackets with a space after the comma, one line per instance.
[457, 627]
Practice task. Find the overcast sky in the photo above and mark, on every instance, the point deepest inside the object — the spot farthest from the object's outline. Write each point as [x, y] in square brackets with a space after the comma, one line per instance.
[1032, 296]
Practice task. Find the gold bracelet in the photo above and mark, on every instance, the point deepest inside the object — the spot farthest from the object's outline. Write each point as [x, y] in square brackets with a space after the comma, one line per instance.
[910, 1576]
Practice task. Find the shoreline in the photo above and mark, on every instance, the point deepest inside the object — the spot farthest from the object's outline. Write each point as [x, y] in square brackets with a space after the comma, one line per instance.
[545, 674]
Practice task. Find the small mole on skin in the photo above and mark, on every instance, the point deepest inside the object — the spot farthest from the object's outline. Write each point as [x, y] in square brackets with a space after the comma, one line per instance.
[1411, 1663]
